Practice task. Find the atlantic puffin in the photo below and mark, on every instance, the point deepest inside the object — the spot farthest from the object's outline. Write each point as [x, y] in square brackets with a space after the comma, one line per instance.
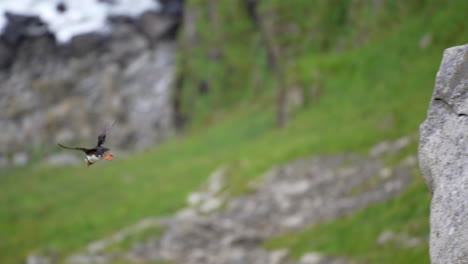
[95, 154]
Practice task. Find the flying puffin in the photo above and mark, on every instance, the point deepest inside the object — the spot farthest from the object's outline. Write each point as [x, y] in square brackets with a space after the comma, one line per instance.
[97, 153]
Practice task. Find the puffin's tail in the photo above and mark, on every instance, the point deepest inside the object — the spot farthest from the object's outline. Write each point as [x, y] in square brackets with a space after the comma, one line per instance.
[63, 146]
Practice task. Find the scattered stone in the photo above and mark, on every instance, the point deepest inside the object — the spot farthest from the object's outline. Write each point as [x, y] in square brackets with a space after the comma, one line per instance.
[96, 252]
[411, 242]
[209, 198]
[319, 258]
[217, 180]
[38, 259]
[210, 205]
[88, 259]
[385, 173]
[187, 213]
[278, 256]
[402, 240]
[390, 147]
[195, 198]
[312, 258]
[48, 256]
[380, 149]
[20, 159]
[425, 41]
[410, 161]
[101, 245]
[402, 143]
[385, 237]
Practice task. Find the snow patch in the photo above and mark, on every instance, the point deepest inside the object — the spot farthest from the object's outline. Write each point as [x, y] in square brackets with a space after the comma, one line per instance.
[68, 18]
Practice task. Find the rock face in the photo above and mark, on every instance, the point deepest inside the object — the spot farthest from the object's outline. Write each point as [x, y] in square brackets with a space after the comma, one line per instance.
[68, 93]
[443, 159]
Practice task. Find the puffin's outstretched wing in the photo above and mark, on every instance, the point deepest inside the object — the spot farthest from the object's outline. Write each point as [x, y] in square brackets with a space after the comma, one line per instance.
[82, 149]
[103, 135]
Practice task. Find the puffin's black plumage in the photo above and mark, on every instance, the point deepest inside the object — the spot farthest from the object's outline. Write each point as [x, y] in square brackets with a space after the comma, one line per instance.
[98, 152]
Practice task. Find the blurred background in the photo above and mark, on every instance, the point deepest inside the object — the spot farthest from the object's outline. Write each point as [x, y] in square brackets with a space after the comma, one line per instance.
[246, 131]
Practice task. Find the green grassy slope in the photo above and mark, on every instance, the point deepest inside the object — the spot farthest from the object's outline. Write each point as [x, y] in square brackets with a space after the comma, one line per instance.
[390, 78]
[337, 45]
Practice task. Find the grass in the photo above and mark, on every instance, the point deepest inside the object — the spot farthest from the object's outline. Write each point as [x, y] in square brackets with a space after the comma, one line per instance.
[68, 207]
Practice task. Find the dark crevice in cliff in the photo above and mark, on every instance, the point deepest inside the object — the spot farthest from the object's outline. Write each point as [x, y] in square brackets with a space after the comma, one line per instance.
[449, 106]
[251, 8]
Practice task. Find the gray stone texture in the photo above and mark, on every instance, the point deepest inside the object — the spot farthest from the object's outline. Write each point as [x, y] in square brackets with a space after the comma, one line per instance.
[443, 158]
[68, 93]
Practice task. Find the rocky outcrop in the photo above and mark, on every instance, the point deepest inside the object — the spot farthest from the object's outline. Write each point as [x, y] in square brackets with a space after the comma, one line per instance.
[289, 198]
[444, 161]
[68, 92]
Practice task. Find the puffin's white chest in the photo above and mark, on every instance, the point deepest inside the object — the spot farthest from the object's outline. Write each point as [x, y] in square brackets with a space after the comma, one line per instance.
[93, 158]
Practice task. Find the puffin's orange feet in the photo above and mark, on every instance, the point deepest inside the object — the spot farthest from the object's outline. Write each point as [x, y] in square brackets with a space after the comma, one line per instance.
[107, 158]
[111, 155]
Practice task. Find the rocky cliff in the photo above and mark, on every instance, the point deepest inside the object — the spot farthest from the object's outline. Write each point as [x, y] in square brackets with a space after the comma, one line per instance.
[443, 159]
[67, 92]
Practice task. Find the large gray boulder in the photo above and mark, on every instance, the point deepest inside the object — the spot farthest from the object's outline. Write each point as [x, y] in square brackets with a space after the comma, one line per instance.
[443, 158]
